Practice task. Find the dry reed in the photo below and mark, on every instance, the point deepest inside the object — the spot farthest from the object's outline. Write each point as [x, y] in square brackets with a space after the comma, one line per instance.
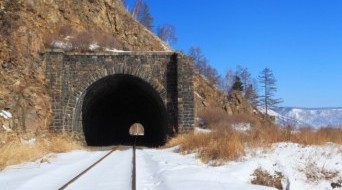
[15, 149]
[225, 143]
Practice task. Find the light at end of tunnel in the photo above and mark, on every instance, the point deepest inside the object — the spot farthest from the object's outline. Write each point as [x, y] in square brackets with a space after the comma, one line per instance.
[136, 129]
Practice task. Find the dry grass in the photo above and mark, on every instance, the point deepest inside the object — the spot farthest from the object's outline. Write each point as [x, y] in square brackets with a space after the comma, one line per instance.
[315, 173]
[216, 117]
[225, 144]
[263, 178]
[81, 41]
[15, 149]
[216, 147]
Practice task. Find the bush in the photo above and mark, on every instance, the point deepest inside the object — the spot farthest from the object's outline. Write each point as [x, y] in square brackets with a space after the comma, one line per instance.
[263, 178]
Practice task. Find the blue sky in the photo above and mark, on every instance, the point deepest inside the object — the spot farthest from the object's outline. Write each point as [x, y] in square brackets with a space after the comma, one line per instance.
[300, 40]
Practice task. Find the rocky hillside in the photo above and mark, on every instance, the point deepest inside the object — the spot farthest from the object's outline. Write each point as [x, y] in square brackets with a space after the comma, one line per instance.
[27, 27]
[208, 96]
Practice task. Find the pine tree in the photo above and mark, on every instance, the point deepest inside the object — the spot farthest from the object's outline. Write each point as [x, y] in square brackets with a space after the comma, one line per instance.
[237, 84]
[268, 84]
[245, 77]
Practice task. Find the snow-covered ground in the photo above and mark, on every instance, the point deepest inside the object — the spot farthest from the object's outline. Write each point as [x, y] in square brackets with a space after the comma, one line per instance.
[311, 167]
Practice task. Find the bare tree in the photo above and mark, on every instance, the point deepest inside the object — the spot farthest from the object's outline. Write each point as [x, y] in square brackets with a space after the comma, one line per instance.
[141, 13]
[212, 75]
[202, 67]
[229, 81]
[144, 16]
[199, 60]
[136, 9]
[167, 33]
[268, 84]
[252, 94]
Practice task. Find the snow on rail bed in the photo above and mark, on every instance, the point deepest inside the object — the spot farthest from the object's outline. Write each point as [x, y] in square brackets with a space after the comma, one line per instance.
[303, 167]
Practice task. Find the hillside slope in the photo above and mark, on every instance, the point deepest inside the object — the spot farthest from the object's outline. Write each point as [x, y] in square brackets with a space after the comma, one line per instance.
[25, 26]
[28, 27]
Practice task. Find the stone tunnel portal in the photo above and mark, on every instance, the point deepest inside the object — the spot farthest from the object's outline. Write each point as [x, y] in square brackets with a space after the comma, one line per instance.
[112, 104]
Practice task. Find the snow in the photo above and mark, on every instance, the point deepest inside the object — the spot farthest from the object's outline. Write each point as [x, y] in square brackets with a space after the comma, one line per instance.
[199, 96]
[242, 127]
[115, 50]
[314, 117]
[294, 160]
[115, 172]
[200, 130]
[30, 142]
[7, 129]
[61, 45]
[166, 170]
[163, 169]
[53, 175]
[306, 117]
[94, 46]
[5, 114]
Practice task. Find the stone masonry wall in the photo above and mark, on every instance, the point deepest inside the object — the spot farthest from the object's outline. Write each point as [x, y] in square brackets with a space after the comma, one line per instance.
[70, 74]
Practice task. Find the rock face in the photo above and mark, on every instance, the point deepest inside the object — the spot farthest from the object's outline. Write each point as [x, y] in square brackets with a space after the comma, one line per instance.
[238, 103]
[208, 96]
[26, 25]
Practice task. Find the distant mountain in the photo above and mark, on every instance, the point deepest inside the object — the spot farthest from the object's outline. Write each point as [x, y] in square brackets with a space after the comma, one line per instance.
[308, 117]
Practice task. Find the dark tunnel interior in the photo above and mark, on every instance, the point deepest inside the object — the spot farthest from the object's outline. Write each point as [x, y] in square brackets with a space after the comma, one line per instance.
[112, 104]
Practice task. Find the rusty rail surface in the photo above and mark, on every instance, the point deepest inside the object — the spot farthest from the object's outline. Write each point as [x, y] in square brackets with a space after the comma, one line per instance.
[86, 170]
[134, 182]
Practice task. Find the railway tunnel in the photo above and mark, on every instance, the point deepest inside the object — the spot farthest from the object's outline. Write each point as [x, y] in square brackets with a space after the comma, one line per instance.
[112, 104]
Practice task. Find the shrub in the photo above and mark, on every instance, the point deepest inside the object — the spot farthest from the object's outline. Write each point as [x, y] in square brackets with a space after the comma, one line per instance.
[225, 143]
[263, 178]
[216, 147]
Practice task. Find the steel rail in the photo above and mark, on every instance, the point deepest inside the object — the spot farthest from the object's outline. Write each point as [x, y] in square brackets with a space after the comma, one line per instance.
[86, 170]
[134, 182]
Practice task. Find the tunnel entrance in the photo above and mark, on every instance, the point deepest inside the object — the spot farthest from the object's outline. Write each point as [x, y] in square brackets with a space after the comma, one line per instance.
[114, 103]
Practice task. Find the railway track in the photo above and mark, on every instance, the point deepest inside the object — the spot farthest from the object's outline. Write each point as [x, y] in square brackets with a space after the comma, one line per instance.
[79, 176]
[134, 168]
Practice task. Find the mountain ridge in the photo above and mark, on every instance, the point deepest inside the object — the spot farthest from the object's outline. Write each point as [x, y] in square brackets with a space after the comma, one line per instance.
[308, 117]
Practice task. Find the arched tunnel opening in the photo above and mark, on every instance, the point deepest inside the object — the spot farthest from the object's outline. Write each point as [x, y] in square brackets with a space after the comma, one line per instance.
[114, 103]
